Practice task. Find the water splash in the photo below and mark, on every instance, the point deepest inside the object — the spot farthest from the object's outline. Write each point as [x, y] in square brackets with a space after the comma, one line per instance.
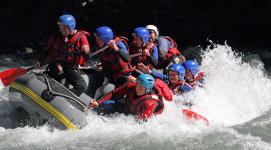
[235, 92]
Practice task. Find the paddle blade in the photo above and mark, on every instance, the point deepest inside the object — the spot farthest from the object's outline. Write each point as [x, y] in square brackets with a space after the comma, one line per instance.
[190, 114]
[10, 75]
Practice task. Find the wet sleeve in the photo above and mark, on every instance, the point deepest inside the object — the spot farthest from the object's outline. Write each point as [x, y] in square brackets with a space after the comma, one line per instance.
[159, 75]
[163, 44]
[122, 47]
[186, 88]
[148, 108]
[123, 53]
[117, 93]
[154, 56]
[155, 52]
[201, 83]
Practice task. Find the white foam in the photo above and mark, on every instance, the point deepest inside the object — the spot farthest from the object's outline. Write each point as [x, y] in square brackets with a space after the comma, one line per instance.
[234, 93]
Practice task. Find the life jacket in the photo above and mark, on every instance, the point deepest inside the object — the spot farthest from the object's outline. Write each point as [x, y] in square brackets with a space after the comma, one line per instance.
[172, 51]
[172, 48]
[177, 87]
[198, 80]
[162, 89]
[200, 76]
[124, 40]
[112, 63]
[133, 102]
[142, 58]
[58, 48]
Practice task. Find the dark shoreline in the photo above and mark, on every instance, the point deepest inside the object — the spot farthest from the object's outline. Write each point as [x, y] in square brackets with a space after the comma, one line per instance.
[241, 23]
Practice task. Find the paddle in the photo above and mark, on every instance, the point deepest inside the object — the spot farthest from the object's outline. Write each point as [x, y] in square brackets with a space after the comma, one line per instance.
[98, 51]
[8, 76]
[190, 114]
[135, 55]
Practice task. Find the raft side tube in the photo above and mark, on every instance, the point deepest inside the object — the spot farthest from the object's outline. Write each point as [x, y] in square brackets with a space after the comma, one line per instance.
[60, 111]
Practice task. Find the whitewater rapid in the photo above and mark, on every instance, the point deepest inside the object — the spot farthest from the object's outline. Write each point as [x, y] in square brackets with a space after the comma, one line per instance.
[235, 93]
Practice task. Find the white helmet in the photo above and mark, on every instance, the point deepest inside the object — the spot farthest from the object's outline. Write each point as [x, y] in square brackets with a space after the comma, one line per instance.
[154, 28]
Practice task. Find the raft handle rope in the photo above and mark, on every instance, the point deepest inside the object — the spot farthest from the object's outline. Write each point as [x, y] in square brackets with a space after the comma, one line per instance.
[50, 91]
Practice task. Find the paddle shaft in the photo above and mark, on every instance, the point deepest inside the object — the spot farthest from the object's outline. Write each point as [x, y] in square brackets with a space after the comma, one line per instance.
[136, 55]
[99, 51]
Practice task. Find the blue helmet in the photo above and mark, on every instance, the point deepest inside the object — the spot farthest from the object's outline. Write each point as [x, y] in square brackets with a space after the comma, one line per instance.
[146, 80]
[192, 66]
[143, 33]
[67, 20]
[178, 68]
[105, 33]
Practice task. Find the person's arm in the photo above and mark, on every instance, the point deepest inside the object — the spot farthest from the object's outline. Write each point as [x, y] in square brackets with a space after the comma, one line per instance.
[163, 44]
[147, 108]
[159, 75]
[42, 58]
[118, 93]
[154, 56]
[186, 87]
[95, 103]
[45, 52]
[200, 82]
[154, 53]
[84, 44]
[122, 51]
[145, 69]
[163, 48]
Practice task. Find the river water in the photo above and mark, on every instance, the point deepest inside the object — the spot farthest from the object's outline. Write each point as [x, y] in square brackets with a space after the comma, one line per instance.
[236, 99]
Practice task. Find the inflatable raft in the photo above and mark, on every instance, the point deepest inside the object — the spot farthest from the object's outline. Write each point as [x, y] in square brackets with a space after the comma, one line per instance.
[49, 101]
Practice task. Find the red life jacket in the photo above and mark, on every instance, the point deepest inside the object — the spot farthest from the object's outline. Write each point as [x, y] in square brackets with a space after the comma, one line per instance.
[124, 40]
[172, 51]
[172, 48]
[112, 63]
[58, 47]
[163, 89]
[142, 58]
[199, 78]
[134, 103]
[176, 88]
